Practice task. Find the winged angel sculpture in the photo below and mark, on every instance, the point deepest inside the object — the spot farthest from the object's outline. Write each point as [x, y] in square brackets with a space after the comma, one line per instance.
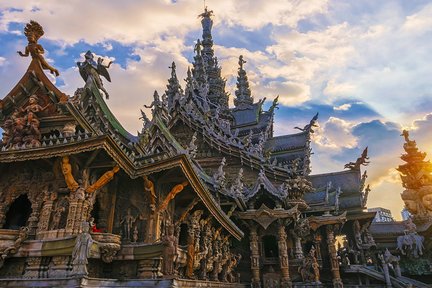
[91, 70]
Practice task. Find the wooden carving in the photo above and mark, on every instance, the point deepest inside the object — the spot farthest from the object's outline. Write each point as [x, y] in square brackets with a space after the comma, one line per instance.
[174, 191]
[67, 172]
[103, 180]
[33, 31]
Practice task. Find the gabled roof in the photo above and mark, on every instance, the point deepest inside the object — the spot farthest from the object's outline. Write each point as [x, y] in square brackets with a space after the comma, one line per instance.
[349, 182]
[103, 131]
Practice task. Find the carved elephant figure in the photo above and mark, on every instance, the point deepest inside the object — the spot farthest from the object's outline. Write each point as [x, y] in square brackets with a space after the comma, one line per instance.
[410, 243]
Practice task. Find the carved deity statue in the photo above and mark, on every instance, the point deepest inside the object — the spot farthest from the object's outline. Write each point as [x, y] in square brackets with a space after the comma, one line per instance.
[309, 269]
[169, 252]
[67, 172]
[22, 126]
[33, 31]
[91, 71]
[127, 222]
[81, 251]
[55, 222]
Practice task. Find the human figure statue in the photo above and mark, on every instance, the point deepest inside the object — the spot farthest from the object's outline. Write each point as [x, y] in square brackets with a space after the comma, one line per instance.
[91, 70]
[103, 180]
[127, 222]
[81, 251]
[55, 223]
[33, 31]
[67, 172]
[169, 252]
[135, 234]
[197, 47]
[241, 62]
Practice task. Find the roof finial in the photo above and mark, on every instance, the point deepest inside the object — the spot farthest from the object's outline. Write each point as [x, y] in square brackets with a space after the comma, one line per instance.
[243, 93]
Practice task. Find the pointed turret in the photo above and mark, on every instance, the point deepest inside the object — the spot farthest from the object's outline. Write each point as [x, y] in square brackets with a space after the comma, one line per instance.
[199, 70]
[207, 24]
[243, 92]
[416, 172]
[216, 94]
[174, 90]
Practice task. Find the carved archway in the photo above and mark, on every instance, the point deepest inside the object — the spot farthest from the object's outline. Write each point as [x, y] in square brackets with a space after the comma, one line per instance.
[18, 213]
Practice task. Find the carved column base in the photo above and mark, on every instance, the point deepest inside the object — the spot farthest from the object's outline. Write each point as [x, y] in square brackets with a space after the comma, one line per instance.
[149, 268]
[32, 268]
[286, 284]
[59, 267]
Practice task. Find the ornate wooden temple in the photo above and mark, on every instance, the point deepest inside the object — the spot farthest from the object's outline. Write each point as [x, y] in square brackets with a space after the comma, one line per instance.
[204, 196]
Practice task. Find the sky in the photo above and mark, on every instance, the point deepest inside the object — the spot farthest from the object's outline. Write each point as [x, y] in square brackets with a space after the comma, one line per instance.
[363, 65]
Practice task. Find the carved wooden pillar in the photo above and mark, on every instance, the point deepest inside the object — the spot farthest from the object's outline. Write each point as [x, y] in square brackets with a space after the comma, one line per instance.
[32, 267]
[77, 217]
[283, 256]
[255, 256]
[298, 250]
[317, 244]
[334, 262]
[73, 210]
[45, 215]
[33, 220]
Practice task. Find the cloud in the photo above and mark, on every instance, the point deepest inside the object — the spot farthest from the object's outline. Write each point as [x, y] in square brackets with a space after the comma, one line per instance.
[335, 134]
[343, 107]
[363, 67]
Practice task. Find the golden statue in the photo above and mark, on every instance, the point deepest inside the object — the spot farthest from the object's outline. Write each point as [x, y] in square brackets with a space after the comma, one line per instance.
[33, 31]
[149, 187]
[73, 185]
[174, 191]
[103, 180]
[67, 172]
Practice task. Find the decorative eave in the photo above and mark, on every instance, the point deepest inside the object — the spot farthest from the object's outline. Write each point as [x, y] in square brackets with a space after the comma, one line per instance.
[265, 216]
[19, 92]
[317, 221]
[187, 168]
[88, 143]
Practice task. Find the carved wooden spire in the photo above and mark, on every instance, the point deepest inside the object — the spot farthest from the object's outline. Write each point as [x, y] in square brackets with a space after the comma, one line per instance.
[216, 92]
[243, 92]
[174, 90]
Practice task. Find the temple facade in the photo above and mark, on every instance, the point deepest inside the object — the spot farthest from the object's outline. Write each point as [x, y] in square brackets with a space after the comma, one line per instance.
[204, 196]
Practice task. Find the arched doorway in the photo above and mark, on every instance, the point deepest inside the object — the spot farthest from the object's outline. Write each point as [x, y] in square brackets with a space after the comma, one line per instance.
[18, 213]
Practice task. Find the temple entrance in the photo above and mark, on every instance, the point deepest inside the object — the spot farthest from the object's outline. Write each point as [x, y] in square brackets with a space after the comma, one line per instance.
[270, 247]
[18, 213]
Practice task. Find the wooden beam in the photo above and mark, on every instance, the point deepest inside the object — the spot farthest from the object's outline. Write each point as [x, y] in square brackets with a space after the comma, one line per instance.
[91, 158]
